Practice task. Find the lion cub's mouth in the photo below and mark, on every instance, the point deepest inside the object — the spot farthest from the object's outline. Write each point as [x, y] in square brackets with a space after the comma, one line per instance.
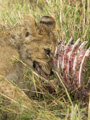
[38, 68]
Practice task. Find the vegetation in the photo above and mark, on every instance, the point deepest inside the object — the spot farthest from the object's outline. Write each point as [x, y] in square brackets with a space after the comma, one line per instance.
[73, 19]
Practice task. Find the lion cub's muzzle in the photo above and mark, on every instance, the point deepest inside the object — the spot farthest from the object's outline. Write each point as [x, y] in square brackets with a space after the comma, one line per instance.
[42, 71]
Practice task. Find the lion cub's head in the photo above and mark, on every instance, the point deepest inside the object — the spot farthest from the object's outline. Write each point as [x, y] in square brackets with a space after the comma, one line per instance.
[38, 47]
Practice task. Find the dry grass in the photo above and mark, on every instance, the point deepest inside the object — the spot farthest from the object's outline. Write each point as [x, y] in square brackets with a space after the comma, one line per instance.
[73, 19]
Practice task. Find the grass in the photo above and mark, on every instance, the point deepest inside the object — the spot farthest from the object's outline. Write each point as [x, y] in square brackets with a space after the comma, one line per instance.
[73, 19]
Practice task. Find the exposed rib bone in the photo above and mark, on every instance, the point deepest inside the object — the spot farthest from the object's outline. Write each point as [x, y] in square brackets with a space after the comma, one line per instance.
[80, 53]
[70, 41]
[76, 44]
[87, 54]
[82, 46]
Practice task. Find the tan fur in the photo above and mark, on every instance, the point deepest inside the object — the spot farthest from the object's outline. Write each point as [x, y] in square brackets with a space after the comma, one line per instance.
[28, 42]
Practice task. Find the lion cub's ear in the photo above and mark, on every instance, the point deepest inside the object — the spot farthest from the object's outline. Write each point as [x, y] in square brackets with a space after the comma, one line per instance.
[28, 26]
[49, 21]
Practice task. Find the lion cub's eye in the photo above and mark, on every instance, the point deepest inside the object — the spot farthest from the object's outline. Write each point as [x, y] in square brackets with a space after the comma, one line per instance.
[47, 51]
[27, 34]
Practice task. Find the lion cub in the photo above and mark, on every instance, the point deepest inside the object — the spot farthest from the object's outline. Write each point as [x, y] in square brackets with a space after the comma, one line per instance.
[34, 43]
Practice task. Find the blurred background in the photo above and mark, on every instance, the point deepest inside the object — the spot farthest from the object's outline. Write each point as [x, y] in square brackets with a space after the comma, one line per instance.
[72, 16]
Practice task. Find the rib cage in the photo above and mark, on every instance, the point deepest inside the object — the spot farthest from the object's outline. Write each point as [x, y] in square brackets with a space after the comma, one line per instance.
[70, 60]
